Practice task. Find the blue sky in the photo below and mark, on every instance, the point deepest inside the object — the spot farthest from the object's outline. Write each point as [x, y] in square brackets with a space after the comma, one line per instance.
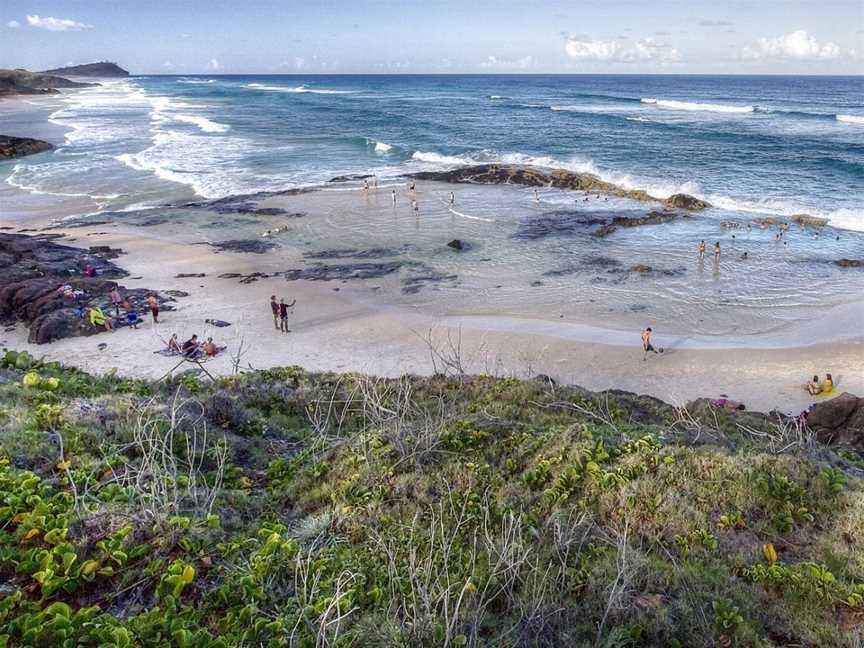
[438, 36]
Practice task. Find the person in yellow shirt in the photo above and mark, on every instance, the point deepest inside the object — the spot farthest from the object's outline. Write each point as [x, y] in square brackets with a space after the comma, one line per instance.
[828, 384]
[98, 319]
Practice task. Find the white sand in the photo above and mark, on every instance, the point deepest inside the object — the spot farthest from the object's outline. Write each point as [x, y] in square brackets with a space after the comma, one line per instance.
[330, 332]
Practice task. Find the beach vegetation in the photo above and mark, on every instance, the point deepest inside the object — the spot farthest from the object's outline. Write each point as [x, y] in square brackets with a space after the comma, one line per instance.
[288, 508]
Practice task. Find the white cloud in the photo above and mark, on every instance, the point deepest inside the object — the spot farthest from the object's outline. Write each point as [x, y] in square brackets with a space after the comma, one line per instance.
[644, 50]
[214, 65]
[14, 24]
[797, 46]
[168, 65]
[715, 23]
[495, 63]
[56, 24]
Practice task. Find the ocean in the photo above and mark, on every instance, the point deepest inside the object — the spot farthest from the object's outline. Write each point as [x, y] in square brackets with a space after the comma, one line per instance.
[770, 145]
[154, 152]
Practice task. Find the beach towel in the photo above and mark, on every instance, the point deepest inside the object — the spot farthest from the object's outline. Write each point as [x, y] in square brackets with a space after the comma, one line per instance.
[216, 322]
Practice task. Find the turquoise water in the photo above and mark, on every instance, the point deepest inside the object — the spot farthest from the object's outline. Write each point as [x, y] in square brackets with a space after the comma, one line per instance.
[767, 145]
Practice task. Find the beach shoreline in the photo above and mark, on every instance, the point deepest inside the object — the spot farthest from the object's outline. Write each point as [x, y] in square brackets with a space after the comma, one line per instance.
[333, 332]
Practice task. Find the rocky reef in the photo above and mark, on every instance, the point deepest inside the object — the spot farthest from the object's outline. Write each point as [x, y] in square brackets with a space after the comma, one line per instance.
[558, 178]
[13, 147]
[34, 268]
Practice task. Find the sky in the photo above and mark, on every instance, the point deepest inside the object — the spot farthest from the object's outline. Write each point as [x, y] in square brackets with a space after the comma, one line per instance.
[438, 36]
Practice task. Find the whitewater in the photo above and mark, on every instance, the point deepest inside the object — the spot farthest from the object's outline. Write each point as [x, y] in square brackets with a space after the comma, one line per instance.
[764, 146]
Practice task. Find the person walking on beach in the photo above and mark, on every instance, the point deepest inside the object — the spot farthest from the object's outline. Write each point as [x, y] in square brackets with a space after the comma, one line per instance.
[701, 250]
[153, 303]
[274, 308]
[415, 206]
[452, 199]
[393, 196]
[717, 251]
[365, 186]
[536, 196]
[647, 347]
[283, 315]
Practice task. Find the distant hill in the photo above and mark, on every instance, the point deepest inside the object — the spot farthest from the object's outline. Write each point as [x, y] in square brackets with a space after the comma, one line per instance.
[101, 69]
[14, 82]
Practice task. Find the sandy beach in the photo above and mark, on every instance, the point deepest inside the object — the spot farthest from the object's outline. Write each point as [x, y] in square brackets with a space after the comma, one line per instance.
[333, 330]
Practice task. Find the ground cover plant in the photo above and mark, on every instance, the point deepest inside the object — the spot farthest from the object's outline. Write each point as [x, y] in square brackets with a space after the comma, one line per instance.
[287, 508]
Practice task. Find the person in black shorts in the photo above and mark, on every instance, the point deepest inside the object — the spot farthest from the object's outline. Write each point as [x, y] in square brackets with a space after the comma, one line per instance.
[283, 315]
[647, 347]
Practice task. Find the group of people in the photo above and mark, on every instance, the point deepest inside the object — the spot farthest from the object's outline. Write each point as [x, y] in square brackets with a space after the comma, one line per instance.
[193, 348]
[98, 319]
[280, 311]
[815, 387]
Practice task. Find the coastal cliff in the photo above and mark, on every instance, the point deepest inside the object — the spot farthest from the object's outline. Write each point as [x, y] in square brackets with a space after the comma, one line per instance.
[23, 82]
[102, 69]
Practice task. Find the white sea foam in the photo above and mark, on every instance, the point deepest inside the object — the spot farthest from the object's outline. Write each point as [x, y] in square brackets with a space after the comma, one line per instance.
[196, 81]
[494, 97]
[297, 90]
[845, 218]
[850, 119]
[203, 123]
[381, 147]
[694, 106]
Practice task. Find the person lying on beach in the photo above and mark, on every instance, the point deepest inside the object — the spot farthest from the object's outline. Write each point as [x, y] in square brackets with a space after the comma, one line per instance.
[173, 344]
[191, 348]
[98, 319]
[211, 349]
[813, 387]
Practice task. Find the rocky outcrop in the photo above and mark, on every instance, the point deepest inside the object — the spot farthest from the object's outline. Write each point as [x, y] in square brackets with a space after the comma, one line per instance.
[652, 218]
[798, 219]
[850, 263]
[558, 178]
[32, 268]
[686, 201]
[839, 421]
[13, 147]
[14, 82]
[104, 69]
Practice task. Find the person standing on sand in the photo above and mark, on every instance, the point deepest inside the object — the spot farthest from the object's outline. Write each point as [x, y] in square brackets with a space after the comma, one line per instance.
[646, 343]
[393, 196]
[116, 300]
[452, 199]
[274, 308]
[365, 186]
[153, 303]
[283, 315]
[701, 250]
[415, 206]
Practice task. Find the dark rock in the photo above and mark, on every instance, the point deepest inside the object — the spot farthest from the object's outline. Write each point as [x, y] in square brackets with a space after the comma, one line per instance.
[532, 177]
[644, 269]
[270, 211]
[374, 253]
[217, 322]
[546, 380]
[850, 263]
[230, 275]
[252, 246]
[562, 223]
[413, 285]
[177, 293]
[329, 272]
[829, 418]
[686, 201]
[350, 178]
[187, 275]
[31, 270]
[604, 230]
[459, 245]
[536, 284]
[13, 147]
